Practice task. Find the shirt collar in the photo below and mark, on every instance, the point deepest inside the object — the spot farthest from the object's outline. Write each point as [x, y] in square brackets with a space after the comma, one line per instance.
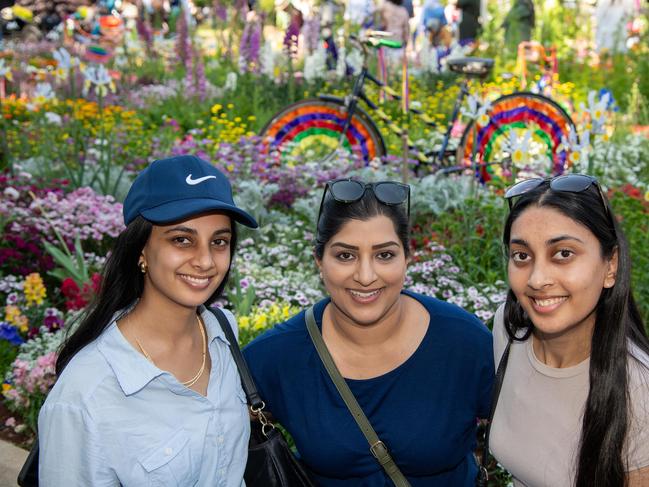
[132, 370]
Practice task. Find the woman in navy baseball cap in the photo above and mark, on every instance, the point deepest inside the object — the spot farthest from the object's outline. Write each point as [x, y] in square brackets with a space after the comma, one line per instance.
[147, 391]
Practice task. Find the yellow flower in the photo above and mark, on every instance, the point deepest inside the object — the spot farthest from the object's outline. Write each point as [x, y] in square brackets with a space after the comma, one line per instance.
[260, 322]
[646, 196]
[6, 387]
[517, 156]
[273, 311]
[34, 289]
[23, 324]
[216, 108]
[286, 310]
[244, 322]
[12, 313]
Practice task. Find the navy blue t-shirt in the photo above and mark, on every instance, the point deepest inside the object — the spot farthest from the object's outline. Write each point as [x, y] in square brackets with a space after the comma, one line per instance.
[425, 410]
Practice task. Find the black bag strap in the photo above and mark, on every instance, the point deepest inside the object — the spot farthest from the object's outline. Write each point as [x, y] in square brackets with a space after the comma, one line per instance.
[28, 476]
[378, 449]
[483, 476]
[247, 382]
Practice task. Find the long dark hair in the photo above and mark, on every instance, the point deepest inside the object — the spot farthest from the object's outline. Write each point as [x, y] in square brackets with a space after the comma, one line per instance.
[601, 462]
[335, 214]
[121, 284]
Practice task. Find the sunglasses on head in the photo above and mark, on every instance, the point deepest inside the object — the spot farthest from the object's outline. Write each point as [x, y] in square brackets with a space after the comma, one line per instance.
[349, 191]
[571, 183]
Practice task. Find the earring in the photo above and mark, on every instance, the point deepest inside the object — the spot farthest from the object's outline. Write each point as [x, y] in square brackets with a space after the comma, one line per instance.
[321, 278]
[143, 267]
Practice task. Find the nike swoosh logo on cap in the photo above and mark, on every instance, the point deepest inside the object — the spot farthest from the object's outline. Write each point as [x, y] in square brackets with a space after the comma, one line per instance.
[193, 182]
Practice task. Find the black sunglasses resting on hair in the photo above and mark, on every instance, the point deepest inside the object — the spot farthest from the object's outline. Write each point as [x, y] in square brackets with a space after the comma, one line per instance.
[389, 193]
[571, 183]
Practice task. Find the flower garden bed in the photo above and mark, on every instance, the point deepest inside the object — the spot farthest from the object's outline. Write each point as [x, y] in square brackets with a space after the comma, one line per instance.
[71, 153]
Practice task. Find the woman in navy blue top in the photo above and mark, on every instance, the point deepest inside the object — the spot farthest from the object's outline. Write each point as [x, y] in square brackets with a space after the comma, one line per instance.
[421, 369]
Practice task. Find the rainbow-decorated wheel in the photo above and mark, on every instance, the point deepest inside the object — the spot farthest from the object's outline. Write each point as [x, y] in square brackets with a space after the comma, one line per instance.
[311, 130]
[524, 130]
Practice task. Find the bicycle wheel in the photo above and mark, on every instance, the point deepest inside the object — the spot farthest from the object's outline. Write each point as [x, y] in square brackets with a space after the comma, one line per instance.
[311, 129]
[546, 124]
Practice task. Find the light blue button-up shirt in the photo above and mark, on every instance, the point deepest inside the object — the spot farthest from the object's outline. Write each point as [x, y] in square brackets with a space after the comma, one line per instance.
[114, 418]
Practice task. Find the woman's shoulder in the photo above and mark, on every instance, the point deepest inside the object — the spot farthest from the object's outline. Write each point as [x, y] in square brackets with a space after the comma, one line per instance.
[638, 370]
[79, 381]
[638, 436]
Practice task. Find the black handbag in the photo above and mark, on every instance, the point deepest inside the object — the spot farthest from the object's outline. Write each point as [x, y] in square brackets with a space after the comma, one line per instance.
[270, 460]
[482, 480]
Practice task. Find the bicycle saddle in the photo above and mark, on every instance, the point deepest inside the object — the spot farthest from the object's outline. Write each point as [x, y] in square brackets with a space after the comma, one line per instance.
[473, 67]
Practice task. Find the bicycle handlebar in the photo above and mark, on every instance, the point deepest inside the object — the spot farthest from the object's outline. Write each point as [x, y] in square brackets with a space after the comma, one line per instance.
[377, 38]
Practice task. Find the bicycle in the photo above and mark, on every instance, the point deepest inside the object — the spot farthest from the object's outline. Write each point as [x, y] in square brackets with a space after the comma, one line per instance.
[317, 127]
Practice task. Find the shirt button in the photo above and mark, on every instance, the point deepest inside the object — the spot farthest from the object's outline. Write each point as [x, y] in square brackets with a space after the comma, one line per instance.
[220, 439]
[168, 451]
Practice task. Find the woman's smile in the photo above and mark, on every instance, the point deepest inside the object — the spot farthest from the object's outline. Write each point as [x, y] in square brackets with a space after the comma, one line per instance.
[196, 281]
[547, 304]
[365, 297]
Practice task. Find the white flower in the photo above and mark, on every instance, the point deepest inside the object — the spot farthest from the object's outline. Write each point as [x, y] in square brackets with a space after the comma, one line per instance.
[429, 58]
[519, 148]
[98, 76]
[44, 92]
[53, 118]
[478, 109]
[577, 149]
[597, 111]
[5, 71]
[315, 65]
[230, 81]
[267, 60]
[11, 193]
[341, 65]
[64, 63]
[63, 58]
[354, 61]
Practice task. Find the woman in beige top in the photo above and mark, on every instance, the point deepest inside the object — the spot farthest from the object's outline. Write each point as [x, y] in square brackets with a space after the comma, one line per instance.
[574, 405]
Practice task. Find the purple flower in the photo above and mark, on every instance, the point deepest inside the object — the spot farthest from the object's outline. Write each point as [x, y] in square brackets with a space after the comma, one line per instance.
[249, 47]
[53, 322]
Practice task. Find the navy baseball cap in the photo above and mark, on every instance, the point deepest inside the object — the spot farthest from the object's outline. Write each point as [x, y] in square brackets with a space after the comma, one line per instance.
[176, 188]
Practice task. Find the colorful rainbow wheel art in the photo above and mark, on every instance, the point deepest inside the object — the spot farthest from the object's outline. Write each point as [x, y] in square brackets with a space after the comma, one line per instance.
[523, 130]
[311, 130]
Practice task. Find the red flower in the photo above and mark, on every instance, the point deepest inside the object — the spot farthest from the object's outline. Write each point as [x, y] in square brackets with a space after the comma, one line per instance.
[69, 288]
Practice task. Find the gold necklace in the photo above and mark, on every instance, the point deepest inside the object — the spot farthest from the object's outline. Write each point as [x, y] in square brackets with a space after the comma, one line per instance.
[198, 375]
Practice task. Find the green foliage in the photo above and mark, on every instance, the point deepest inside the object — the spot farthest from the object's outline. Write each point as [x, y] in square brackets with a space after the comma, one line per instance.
[8, 353]
[241, 299]
[633, 214]
[73, 266]
[471, 233]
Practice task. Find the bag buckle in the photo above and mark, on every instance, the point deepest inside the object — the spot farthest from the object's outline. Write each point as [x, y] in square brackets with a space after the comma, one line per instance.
[379, 450]
[266, 426]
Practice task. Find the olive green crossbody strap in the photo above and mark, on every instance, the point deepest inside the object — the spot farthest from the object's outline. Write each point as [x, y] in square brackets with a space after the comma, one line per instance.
[377, 447]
